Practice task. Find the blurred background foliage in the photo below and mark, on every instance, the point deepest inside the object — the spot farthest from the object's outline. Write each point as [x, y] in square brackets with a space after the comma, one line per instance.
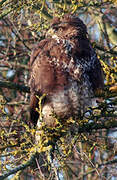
[90, 153]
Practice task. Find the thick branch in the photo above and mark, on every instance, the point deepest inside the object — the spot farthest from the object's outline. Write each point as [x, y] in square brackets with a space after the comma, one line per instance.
[11, 85]
[108, 163]
[94, 126]
[19, 168]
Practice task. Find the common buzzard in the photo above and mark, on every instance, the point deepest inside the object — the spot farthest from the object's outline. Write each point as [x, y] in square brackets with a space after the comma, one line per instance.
[65, 67]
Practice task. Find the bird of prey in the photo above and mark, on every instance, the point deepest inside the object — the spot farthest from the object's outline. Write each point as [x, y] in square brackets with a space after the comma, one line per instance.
[64, 66]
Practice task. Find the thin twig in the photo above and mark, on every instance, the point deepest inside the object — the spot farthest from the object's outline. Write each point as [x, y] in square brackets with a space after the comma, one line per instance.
[4, 64]
[101, 48]
[42, 175]
[16, 32]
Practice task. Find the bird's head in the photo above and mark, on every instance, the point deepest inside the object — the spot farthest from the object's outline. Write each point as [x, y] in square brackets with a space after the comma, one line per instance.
[68, 27]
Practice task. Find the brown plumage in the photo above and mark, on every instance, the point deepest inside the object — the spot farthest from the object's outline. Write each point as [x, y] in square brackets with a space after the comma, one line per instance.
[65, 67]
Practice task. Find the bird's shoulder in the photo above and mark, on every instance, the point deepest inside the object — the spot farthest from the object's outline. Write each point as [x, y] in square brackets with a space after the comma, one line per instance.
[45, 50]
[47, 68]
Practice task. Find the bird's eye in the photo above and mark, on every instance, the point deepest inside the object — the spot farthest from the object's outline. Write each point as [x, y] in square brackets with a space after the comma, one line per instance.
[60, 29]
[55, 28]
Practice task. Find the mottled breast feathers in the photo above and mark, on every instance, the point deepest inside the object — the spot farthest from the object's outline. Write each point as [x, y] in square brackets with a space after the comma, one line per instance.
[65, 67]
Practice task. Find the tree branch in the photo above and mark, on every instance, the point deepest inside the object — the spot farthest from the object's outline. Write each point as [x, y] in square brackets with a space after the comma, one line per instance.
[13, 65]
[11, 85]
[108, 163]
[111, 51]
[19, 168]
[84, 128]
[96, 126]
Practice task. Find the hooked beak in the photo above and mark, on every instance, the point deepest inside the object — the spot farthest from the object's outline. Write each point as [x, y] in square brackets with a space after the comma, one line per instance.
[50, 32]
